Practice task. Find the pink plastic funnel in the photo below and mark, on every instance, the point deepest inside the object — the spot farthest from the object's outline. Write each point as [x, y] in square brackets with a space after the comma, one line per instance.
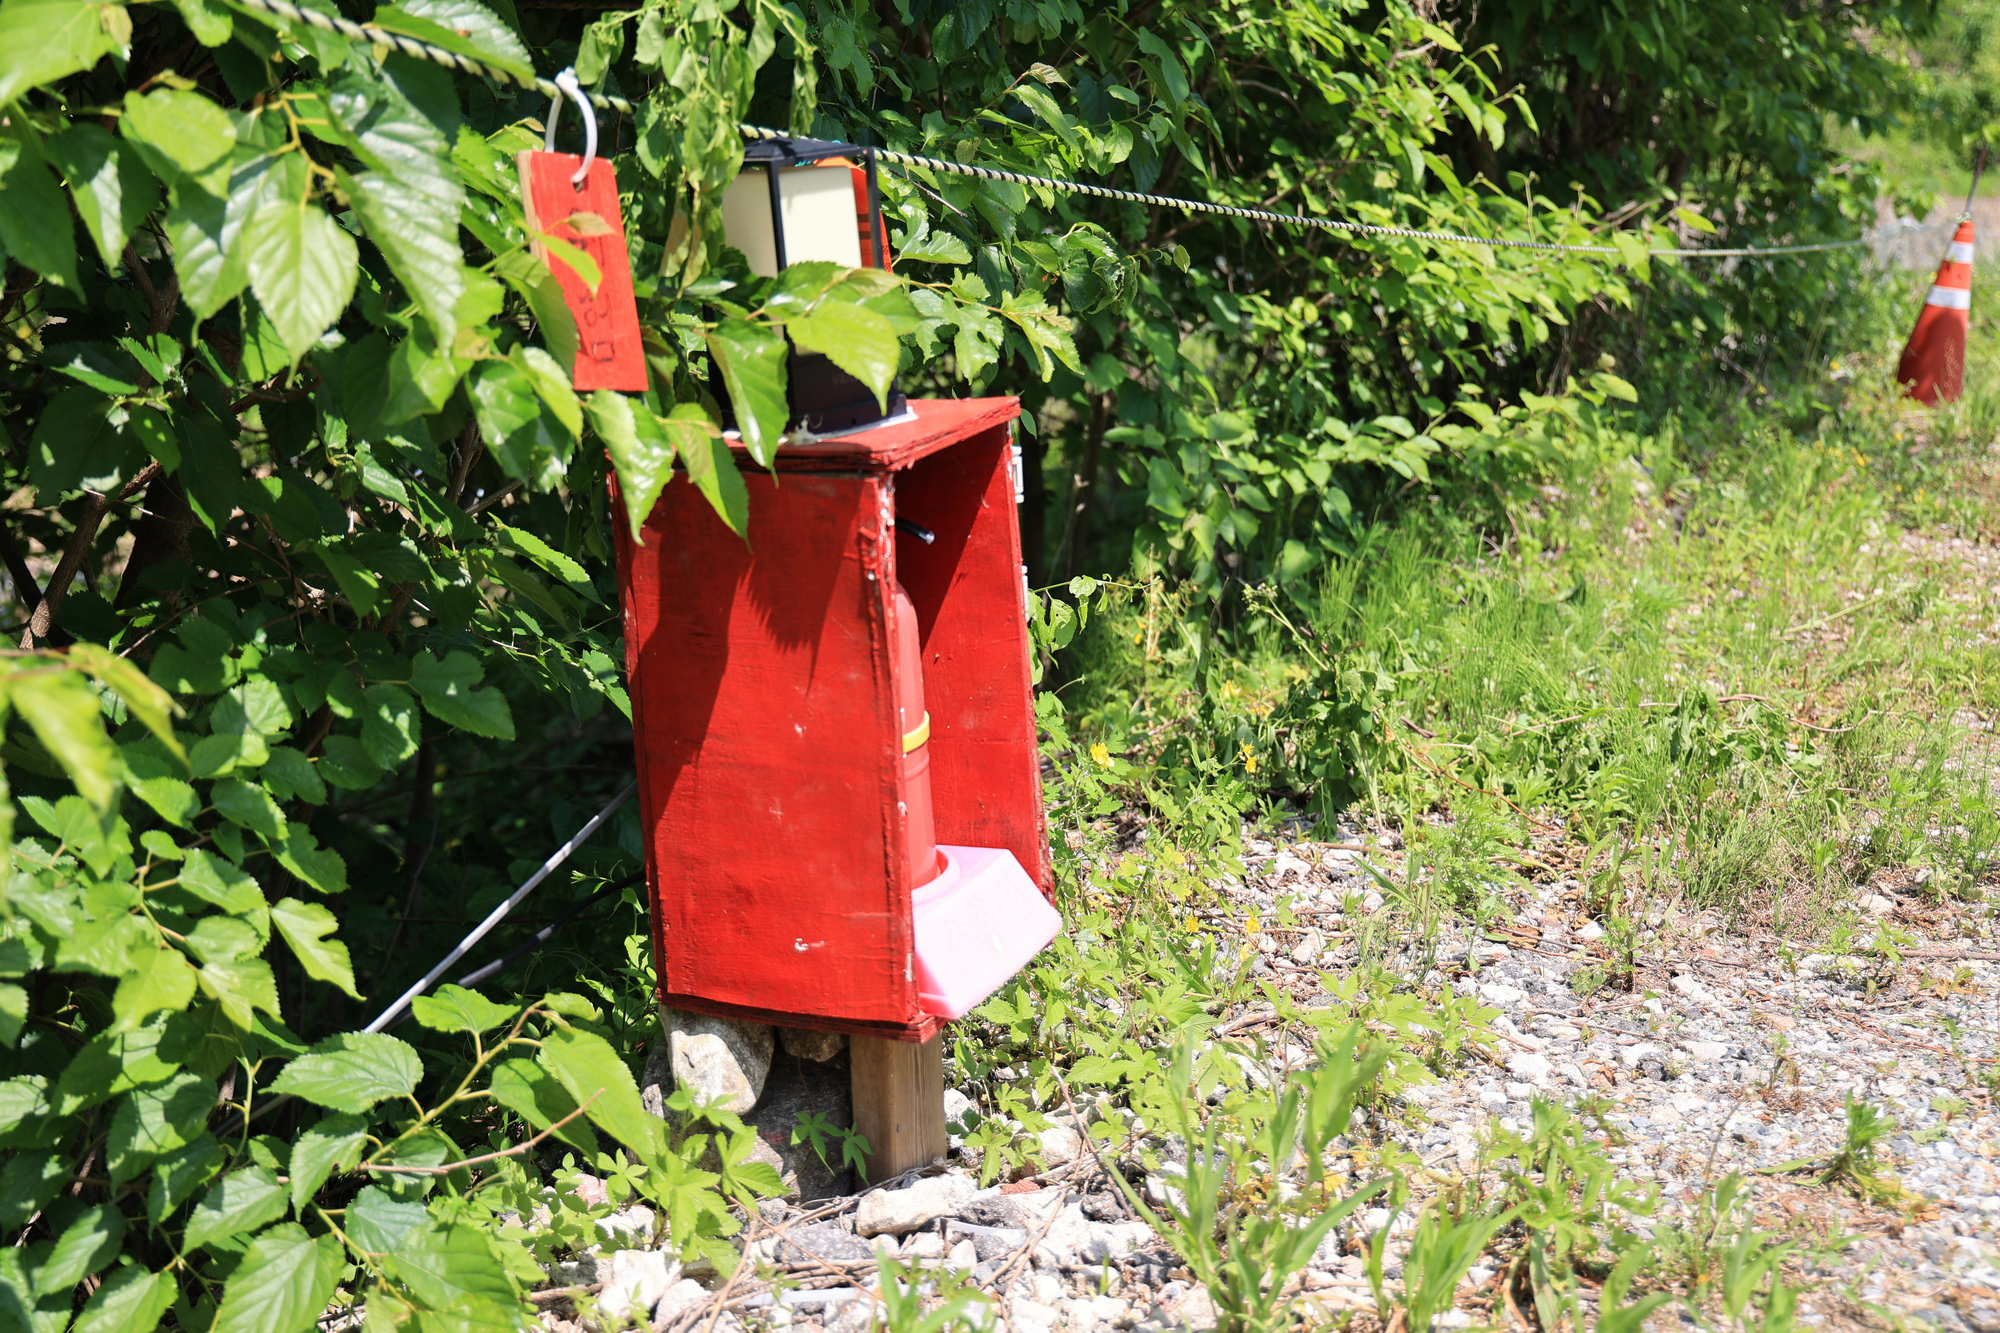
[978, 924]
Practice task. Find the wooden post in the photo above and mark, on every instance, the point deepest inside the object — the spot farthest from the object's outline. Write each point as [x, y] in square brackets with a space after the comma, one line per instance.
[898, 1103]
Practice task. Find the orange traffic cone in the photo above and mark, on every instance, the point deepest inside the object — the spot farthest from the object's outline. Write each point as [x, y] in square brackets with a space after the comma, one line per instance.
[1933, 364]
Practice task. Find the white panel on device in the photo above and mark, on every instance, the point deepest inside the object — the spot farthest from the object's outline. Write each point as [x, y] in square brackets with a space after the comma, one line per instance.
[817, 207]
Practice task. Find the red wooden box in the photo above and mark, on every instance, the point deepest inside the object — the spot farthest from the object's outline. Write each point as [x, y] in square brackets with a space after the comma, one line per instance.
[770, 754]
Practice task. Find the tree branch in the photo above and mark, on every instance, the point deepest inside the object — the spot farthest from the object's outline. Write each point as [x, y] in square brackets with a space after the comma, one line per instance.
[75, 553]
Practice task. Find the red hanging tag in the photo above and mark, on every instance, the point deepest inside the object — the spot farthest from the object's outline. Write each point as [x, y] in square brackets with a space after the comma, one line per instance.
[609, 354]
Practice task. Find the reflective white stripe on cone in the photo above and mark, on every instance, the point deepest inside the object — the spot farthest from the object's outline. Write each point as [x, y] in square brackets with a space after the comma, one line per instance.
[1933, 364]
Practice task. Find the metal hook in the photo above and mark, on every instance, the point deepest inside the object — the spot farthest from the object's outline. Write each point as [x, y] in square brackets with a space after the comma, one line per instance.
[567, 82]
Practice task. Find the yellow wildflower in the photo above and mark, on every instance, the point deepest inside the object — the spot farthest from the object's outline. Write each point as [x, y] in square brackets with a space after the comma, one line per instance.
[1249, 758]
[1253, 923]
[1101, 755]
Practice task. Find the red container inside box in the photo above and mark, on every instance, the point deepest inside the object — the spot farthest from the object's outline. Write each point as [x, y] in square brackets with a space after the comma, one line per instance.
[764, 709]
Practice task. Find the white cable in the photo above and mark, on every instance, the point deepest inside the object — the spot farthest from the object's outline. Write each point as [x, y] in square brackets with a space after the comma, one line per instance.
[493, 918]
[566, 83]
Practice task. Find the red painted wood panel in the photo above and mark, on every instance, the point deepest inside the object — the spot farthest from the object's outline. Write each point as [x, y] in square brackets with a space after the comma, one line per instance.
[986, 775]
[769, 754]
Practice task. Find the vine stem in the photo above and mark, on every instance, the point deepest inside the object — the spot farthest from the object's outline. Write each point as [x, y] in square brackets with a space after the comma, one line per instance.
[448, 1167]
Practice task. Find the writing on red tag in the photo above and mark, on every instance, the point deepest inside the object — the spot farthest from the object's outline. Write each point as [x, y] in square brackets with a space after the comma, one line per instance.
[609, 354]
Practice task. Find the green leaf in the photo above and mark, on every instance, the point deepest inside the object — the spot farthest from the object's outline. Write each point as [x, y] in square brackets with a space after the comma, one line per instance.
[456, 1269]
[503, 400]
[152, 1122]
[111, 187]
[302, 268]
[217, 880]
[379, 1222]
[208, 258]
[75, 446]
[556, 250]
[239, 1203]
[858, 340]
[34, 217]
[592, 1073]
[529, 274]
[456, 1009]
[532, 1092]
[345, 762]
[464, 26]
[318, 867]
[751, 360]
[1614, 387]
[146, 701]
[390, 726]
[177, 1176]
[224, 939]
[13, 1012]
[938, 247]
[63, 711]
[552, 385]
[28, 1180]
[332, 1143]
[113, 1063]
[283, 1283]
[306, 927]
[249, 807]
[645, 465]
[131, 1300]
[86, 1245]
[241, 986]
[351, 1072]
[44, 40]
[448, 691]
[183, 136]
[158, 979]
[419, 239]
[290, 776]
[210, 23]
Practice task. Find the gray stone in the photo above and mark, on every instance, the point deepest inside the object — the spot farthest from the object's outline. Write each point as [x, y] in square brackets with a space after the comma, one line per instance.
[798, 1087]
[634, 1282]
[1024, 1211]
[988, 1243]
[854, 1316]
[656, 1078]
[822, 1242]
[681, 1299]
[722, 1061]
[1530, 1067]
[809, 1045]
[1113, 1240]
[1060, 1145]
[896, 1212]
[1032, 1317]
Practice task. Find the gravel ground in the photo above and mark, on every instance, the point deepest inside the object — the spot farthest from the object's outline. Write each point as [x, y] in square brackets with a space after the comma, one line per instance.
[1728, 1053]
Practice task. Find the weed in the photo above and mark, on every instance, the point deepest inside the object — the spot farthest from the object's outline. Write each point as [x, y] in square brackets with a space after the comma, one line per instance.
[1727, 1265]
[909, 1301]
[1258, 1197]
[1559, 1182]
[1854, 1165]
[1442, 1249]
[820, 1131]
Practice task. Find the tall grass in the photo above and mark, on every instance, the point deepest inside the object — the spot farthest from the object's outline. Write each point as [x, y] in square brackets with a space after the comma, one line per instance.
[1747, 652]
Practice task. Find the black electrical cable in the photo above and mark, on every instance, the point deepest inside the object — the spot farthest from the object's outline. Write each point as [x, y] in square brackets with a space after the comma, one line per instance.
[541, 936]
